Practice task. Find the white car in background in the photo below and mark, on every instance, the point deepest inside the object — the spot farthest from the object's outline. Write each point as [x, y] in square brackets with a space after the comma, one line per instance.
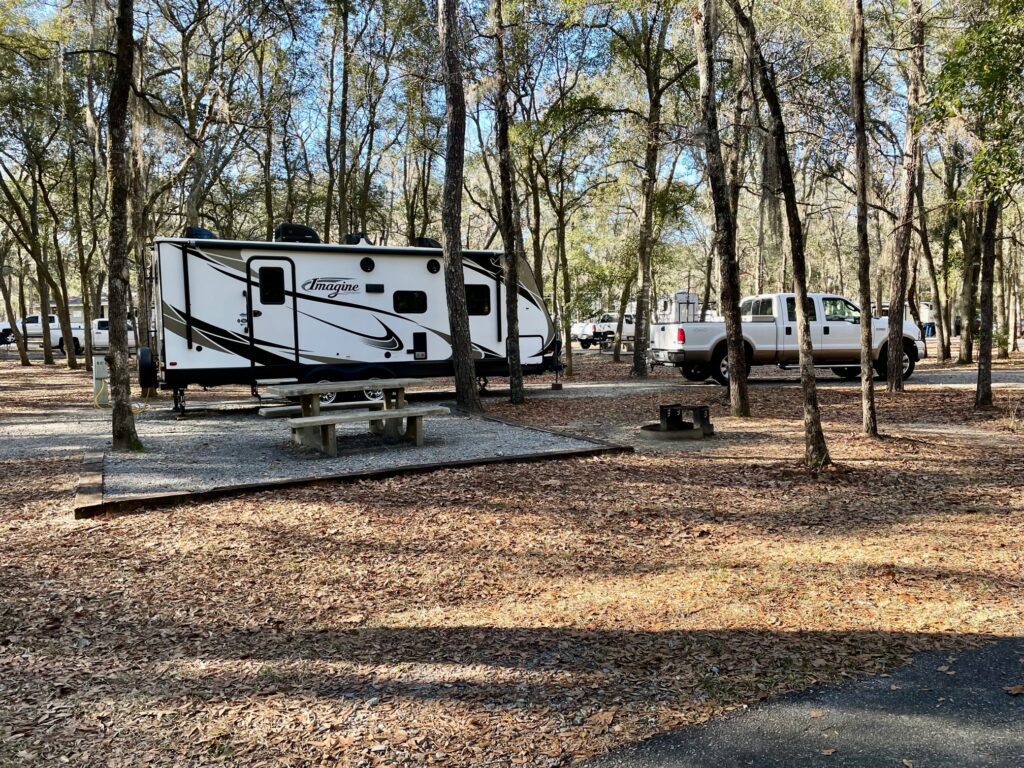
[598, 330]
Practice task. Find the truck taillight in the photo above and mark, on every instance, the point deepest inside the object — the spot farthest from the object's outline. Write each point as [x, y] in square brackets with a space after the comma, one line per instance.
[680, 336]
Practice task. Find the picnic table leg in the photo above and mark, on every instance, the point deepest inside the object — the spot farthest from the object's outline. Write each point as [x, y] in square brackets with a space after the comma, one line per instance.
[393, 432]
[329, 440]
[414, 431]
[309, 436]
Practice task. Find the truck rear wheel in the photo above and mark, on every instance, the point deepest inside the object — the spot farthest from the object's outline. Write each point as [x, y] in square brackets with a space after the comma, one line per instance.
[695, 371]
[720, 364]
[78, 346]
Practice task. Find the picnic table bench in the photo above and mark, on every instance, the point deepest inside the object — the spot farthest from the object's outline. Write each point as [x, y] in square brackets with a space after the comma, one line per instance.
[390, 416]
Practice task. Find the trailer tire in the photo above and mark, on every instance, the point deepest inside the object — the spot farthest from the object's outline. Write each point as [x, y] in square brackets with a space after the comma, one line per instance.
[699, 372]
[375, 395]
[147, 369]
[585, 344]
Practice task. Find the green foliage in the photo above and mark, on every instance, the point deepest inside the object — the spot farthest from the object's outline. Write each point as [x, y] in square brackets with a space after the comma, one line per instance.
[982, 85]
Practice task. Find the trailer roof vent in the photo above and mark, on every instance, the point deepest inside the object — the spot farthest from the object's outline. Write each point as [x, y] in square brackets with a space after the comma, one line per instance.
[357, 238]
[198, 233]
[295, 233]
[425, 242]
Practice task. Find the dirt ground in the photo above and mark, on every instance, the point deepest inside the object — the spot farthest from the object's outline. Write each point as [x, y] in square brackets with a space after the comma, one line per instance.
[533, 614]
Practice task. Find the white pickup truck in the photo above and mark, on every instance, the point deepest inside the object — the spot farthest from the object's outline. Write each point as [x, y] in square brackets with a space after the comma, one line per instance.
[602, 328]
[770, 336]
[33, 329]
[101, 335]
[34, 333]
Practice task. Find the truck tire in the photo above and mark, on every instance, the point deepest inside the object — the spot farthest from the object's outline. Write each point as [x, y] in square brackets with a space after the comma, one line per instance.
[719, 368]
[698, 372]
[909, 362]
[78, 346]
[848, 373]
[585, 344]
[147, 369]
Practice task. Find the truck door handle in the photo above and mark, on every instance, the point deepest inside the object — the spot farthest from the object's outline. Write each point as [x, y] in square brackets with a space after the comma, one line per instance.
[257, 313]
[789, 330]
[825, 330]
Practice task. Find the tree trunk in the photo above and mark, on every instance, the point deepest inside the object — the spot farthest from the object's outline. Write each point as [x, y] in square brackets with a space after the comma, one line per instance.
[19, 340]
[704, 28]
[869, 421]
[938, 300]
[466, 390]
[983, 392]
[641, 334]
[509, 219]
[566, 313]
[905, 224]
[123, 421]
[972, 221]
[815, 452]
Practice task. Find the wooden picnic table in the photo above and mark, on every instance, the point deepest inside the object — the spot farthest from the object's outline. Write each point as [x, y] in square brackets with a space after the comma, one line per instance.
[309, 394]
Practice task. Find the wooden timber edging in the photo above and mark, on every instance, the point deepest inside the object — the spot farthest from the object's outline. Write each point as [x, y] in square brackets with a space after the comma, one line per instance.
[89, 492]
[93, 504]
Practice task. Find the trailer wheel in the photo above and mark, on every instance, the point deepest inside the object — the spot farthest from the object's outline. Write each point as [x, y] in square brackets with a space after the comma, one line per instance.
[327, 398]
[585, 344]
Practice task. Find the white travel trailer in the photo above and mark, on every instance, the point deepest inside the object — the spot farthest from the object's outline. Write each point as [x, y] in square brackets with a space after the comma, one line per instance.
[238, 312]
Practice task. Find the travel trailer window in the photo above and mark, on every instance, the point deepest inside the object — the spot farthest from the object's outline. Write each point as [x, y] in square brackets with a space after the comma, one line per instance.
[478, 299]
[271, 285]
[410, 302]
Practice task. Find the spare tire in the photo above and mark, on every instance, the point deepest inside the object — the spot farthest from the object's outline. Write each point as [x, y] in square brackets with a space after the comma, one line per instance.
[147, 369]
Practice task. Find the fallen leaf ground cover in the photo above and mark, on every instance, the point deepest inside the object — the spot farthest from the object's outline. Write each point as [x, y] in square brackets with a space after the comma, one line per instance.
[519, 614]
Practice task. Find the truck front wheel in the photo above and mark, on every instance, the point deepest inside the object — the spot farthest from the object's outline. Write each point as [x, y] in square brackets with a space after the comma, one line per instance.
[849, 373]
[909, 363]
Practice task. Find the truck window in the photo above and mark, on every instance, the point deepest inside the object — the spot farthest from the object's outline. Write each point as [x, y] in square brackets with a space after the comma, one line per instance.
[410, 302]
[747, 308]
[791, 310]
[478, 299]
[763, 308]
[32, 319]
[838, 310]
[102, 325]
[271, 285]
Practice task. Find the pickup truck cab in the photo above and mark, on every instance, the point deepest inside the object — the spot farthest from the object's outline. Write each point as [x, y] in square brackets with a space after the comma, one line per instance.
[101, 334]
[770, 336]
[600, 329]
[33, 328]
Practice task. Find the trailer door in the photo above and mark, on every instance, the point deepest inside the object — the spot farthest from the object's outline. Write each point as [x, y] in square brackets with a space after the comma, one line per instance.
[273, 320]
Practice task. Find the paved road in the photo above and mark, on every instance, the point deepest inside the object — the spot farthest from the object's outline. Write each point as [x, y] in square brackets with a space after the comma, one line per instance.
[920, 717]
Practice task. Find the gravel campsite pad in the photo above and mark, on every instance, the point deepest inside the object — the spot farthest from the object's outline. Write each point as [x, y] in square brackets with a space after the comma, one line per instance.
[208, 450]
